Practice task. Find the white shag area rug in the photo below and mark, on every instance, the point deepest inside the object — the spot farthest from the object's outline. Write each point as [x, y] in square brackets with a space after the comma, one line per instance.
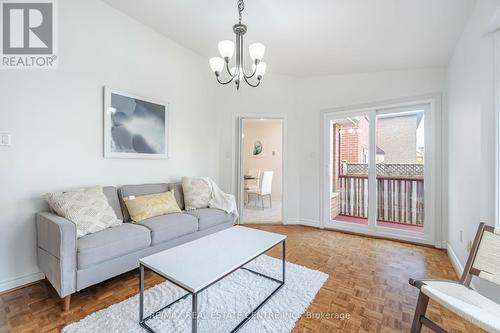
[221, 306]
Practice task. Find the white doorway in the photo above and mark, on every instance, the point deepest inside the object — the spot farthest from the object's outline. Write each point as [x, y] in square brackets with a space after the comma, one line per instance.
[261, 169]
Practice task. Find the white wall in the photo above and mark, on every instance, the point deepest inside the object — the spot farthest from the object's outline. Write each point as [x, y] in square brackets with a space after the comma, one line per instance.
[270, 133]
[470, 130]
[55, 118]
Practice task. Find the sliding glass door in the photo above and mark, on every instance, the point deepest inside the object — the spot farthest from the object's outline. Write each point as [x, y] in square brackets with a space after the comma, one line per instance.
[377, 167]
[349, 152]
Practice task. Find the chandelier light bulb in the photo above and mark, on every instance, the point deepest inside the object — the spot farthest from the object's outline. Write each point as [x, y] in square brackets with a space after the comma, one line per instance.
[257, 51]
[226, 49]
[217, 64]
[261, 70]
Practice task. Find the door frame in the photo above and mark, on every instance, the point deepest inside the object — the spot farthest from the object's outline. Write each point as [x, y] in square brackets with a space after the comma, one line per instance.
[496, 65]
[238, 153]
[434, 197]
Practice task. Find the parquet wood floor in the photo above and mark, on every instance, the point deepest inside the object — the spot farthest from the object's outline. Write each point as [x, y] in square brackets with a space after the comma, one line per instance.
[368, 281]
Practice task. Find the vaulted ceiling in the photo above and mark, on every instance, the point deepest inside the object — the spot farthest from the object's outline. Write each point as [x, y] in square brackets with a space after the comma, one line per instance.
[316, 37]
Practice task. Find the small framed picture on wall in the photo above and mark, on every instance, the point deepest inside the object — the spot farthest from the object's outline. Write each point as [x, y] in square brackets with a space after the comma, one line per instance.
[258, 148]
[134, 127]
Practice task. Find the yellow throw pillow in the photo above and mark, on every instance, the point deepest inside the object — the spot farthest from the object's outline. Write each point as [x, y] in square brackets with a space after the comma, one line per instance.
[146, 206]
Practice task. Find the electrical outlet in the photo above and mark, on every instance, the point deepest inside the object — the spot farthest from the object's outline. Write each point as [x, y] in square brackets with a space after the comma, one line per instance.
[469, 246]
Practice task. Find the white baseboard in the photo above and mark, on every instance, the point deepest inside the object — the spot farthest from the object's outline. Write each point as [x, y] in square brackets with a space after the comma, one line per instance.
[306, 222]
[20, 281]
[458, 267]
[455, 262]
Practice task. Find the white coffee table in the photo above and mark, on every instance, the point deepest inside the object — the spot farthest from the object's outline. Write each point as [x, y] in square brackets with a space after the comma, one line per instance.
[197, 265]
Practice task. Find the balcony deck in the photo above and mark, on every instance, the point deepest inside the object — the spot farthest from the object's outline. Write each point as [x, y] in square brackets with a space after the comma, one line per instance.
[364, 221]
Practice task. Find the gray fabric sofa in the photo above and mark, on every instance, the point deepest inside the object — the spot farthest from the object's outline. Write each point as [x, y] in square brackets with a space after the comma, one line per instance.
[71, 264]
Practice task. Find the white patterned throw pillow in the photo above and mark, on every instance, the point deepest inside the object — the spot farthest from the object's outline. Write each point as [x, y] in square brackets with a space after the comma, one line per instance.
[197, 193]
[88, 208]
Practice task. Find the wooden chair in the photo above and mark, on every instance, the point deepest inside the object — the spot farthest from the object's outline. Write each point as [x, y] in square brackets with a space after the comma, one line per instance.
[459, 297]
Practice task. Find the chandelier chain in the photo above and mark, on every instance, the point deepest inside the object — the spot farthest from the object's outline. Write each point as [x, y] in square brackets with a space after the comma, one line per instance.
[241, 7]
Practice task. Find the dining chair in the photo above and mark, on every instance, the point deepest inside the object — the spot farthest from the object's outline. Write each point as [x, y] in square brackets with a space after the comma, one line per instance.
[251, 184]
[458, 296]
[265, 188]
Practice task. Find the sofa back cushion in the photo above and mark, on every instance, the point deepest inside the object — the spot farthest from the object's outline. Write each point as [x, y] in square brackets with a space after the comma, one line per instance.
[111, 194]
[197, 192]
[88, 208]
[179, 194]
[138, 190]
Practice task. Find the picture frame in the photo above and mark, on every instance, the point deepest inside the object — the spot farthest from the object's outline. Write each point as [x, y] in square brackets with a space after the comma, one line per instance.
[256, 145]
[135, 127]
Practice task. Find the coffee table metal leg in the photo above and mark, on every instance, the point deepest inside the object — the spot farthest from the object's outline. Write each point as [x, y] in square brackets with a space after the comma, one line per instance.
[194, 313]
[142, 319]
[141, 293]
[284, 259]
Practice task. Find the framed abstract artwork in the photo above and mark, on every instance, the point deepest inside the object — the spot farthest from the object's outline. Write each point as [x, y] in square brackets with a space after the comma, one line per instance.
[134, 126]
[258, 148]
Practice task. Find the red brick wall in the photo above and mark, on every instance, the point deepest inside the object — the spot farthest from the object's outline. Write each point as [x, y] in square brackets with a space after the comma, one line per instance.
[349, 145]
[335, 162]
[353, 139]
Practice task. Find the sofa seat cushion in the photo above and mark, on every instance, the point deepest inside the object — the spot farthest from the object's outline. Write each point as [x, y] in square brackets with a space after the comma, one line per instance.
[210, 217]
[170, 226]
[111, 243]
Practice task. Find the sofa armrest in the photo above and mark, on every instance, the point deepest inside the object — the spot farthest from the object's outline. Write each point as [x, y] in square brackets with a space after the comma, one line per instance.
[56, 249]
[235, 219]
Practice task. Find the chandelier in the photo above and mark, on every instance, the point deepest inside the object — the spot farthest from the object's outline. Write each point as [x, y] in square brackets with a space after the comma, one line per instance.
[237, 73]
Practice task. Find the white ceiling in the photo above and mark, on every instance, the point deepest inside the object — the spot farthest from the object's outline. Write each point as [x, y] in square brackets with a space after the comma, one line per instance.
[316, 37]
